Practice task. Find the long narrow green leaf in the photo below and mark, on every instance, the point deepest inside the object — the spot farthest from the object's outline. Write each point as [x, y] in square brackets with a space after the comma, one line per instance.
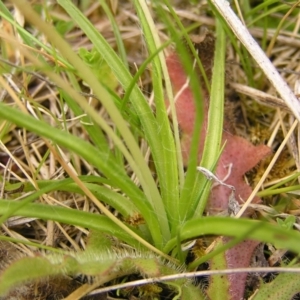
[186, 198]
[166, 166]
[250, 229]
[121, 204]
[212, 144]
[68, 216]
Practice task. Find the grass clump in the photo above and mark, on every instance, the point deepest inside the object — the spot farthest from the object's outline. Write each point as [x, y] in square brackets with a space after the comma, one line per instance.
[91, 154]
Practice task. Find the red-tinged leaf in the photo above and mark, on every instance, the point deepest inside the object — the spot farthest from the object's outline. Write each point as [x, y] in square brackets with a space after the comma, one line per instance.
[185, 106]
[239, 257]
[238, 157]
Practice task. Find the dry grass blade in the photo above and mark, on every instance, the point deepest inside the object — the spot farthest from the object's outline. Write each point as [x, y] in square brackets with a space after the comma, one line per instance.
[260, 96]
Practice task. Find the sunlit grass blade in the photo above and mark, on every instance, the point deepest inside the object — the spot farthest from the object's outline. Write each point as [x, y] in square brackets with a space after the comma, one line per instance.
[122, 204]
[249, 229]
[94, 183]
[166, 168]
[68, 216]
[212, 144]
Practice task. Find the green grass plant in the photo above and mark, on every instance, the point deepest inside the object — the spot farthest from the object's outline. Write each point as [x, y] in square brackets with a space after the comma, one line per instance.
[170, 199]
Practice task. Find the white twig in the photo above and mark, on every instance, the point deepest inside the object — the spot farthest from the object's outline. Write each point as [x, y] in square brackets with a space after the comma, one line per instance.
[192, 275]
[242, 33]
[233, 205]
[209, 175]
